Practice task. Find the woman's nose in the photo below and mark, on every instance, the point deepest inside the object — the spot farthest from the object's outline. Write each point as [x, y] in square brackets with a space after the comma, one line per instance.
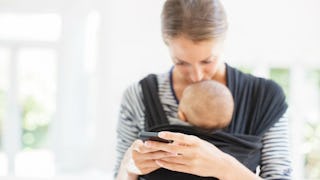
[197, 74]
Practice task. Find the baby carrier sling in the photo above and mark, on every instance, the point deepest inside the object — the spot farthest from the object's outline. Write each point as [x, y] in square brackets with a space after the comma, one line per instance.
[244, 144]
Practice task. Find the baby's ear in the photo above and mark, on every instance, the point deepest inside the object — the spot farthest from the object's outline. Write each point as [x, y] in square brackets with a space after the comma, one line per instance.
[182, 116]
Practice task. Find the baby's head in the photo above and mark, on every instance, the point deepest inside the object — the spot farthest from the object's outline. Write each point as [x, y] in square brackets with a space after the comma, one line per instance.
[206, 104]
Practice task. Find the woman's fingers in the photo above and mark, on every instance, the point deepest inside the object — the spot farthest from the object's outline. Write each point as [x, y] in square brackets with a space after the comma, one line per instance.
[174, 166]
[140, 147]
[160, 155]
[142, 158]
[152, 155]
[142, 167]
[180, 145]
[178, 137]
[178, 159]
[167, 147]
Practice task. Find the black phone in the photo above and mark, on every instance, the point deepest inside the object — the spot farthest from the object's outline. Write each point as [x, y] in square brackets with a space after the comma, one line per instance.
[152, 136]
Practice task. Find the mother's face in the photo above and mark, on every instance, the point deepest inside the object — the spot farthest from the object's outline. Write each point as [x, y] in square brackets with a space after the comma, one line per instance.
[196, 61]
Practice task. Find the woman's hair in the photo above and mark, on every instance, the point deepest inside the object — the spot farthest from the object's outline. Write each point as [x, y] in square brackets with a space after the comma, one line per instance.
[198, 20]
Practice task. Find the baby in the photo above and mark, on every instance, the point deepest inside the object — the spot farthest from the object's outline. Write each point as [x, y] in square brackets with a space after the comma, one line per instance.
[207, 104]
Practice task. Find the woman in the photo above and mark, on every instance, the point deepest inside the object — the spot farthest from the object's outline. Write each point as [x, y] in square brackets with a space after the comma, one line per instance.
[194, 31]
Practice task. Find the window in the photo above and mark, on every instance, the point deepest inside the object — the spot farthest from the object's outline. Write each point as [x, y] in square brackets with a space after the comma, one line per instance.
[308, 114]
[37, 87]
[245, 69]
[4, 59]
[311, 130]
[28, 65]
[37, 27]
[282, 77]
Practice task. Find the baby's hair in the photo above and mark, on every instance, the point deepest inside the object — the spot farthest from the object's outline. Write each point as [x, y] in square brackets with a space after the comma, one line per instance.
[206, 99]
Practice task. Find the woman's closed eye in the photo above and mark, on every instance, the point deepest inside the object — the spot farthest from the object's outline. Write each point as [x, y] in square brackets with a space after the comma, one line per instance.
[181, 63]
[209, 60]
[206, 62]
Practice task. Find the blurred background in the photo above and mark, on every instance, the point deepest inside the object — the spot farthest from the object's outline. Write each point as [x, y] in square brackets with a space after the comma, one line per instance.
[65, 63]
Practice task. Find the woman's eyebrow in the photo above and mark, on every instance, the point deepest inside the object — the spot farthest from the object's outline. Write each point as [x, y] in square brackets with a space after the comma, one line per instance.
[180, 60]
[206, 59]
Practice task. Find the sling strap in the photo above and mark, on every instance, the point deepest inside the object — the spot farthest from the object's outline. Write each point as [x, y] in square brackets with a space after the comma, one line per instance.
[244, 148]
[154, 113]
[259, 103]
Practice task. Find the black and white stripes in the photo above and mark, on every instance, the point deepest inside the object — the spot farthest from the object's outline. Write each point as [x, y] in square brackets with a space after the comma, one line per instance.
[275, 159]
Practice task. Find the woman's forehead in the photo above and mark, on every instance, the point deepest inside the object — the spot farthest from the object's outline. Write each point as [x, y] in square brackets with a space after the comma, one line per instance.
[185, 49]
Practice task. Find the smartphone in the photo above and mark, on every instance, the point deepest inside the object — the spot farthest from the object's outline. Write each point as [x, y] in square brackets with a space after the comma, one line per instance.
[152, 136]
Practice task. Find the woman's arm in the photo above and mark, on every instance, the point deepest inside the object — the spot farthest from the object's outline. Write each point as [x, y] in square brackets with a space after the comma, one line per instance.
[275, 157]
[235, 170]
[128, 125]
[136, 161]
[134, 158]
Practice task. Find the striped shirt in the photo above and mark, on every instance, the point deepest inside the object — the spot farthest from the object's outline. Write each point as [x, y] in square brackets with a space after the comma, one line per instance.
[275, 158]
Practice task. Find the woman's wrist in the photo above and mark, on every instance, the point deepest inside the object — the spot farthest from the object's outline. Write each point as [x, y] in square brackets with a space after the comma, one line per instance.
[233, 169]
[123, 173]
[226, 160]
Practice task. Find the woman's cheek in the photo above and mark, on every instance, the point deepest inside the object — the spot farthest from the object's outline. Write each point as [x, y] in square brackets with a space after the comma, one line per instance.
[210, 69]
[185, 71]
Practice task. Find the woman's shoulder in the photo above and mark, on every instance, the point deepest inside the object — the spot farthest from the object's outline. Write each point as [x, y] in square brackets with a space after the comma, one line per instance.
[241, 79]
[135, 88]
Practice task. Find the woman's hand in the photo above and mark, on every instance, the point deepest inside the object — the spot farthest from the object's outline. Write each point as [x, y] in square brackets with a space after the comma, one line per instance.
[196, 156]
[192, 155]
[139, 160]
[142, 158]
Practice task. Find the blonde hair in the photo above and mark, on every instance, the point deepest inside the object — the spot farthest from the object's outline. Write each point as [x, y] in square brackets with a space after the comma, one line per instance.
[198, 20]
